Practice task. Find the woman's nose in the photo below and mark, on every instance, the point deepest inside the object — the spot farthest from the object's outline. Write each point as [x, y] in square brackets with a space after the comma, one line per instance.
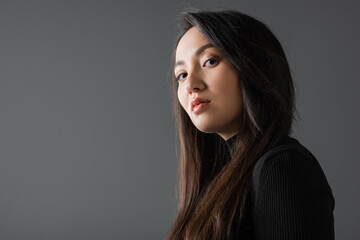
[194, 81]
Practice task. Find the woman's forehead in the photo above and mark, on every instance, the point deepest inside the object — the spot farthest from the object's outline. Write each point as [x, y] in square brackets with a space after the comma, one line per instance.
[190, 42]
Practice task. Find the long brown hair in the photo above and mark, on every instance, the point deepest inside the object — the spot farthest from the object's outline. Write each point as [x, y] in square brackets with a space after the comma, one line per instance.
[212, 189]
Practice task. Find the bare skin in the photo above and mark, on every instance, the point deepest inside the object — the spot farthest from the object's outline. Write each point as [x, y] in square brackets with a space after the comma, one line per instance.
[204, 72]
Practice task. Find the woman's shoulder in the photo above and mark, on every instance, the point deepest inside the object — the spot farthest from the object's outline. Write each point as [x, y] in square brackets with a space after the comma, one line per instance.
[286, 144]
[288, 155]
[290, 192]
[289, 169]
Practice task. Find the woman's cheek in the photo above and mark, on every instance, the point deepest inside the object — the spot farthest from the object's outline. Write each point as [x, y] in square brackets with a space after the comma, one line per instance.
[181, 99]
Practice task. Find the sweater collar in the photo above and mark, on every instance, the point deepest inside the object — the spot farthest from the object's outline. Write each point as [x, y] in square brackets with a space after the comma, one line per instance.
[230, 143]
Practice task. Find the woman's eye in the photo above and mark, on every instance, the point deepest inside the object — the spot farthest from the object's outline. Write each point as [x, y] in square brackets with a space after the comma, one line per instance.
[211, 62]
[181, 76]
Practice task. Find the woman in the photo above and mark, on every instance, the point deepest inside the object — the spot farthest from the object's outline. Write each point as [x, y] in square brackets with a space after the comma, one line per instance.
[241, 176]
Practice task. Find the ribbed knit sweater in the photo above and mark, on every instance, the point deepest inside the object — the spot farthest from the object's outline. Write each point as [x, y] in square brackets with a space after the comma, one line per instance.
[290, 196]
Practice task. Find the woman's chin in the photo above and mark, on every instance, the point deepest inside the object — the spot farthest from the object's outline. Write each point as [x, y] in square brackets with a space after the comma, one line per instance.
[206, 128]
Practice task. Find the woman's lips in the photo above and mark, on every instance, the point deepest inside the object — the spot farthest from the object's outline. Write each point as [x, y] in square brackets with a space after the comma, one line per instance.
[198, 107]
[197, 101]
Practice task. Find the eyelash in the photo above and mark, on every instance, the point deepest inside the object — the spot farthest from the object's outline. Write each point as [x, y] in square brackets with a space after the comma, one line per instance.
[210, 59]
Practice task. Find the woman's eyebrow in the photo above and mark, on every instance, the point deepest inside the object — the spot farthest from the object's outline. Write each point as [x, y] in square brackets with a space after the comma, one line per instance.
[197, 53]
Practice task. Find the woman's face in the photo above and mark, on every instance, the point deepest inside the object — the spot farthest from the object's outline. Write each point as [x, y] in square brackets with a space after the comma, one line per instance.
[203, 72]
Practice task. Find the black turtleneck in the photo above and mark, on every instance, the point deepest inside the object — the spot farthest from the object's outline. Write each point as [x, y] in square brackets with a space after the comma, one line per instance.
[290, 197]
[230, 142]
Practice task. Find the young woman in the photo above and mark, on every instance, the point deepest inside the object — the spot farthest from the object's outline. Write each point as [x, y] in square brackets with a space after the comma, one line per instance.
[241, 176]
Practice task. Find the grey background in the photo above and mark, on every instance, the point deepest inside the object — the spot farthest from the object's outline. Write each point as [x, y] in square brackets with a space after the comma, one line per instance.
[86, 131]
